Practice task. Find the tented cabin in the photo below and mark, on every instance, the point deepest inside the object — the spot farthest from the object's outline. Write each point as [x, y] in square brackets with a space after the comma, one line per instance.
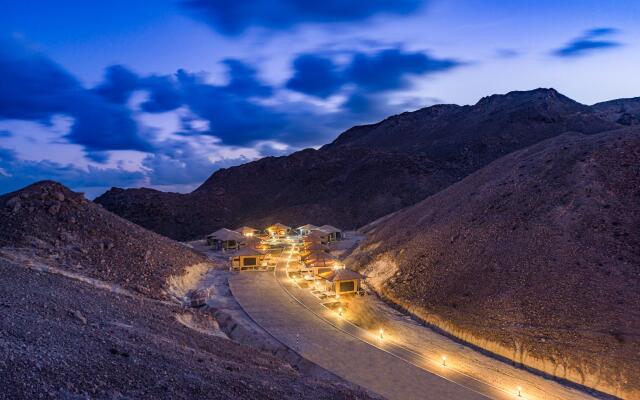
[247, 258]
[278, 229]
[314, 247]
[317, 235]
[334, 233]
[320, 263]
[248, 231]
[342, 281]
[306, 229]
[225, 239]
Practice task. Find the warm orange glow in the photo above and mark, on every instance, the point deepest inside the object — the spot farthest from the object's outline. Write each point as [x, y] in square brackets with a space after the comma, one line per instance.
[381, 333]
[444, 361]
[519, 391]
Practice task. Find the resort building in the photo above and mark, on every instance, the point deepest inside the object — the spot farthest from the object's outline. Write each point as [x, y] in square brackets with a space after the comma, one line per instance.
[333, 232]
[320, 262]
[278, 229]
[306, 229]
[247, 258]
[318, 236]
[342, 281]
[225, 239]
[248, 231]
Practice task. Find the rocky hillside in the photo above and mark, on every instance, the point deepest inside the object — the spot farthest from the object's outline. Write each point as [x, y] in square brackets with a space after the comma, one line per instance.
[65, 339]
[47, 221]
[535, 257]
[387, 166]
[622, 111]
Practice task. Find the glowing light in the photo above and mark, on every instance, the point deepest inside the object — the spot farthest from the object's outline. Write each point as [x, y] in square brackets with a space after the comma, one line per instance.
[340, 311]
[444, 361]
[381, 333]
[519, 391]
[337, 296]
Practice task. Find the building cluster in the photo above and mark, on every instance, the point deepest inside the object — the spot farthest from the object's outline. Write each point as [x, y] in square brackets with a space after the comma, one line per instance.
[308, 248]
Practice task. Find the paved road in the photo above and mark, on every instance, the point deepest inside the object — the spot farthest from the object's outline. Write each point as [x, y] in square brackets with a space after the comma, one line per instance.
[319, 335]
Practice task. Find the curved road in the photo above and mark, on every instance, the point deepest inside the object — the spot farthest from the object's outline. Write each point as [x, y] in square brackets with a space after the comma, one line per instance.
[297, 319]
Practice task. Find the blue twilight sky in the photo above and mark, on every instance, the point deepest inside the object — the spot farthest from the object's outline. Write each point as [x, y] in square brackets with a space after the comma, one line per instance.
[162, 93]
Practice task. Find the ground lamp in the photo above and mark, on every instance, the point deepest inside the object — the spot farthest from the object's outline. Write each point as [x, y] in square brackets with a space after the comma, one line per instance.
[444, 361]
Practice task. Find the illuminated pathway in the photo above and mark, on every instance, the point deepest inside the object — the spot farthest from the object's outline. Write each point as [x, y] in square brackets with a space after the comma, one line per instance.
[319, 335]
[274, 310]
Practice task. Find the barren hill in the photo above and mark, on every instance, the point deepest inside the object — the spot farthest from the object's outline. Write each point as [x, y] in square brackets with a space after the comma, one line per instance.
[48, 221]
[387, 166]
[64, 335]
[535, 257]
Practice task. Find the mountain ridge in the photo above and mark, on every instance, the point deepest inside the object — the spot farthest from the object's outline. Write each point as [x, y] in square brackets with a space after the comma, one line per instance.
[387, 166]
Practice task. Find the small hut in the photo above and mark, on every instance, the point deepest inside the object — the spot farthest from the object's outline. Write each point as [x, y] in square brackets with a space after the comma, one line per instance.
[247, 258]
[278, 229]
[343, 281]
[247, 231]
[320, 262]
[317, 235]
[314, 247]
[334, 233]
[225, 239]
[305, 229]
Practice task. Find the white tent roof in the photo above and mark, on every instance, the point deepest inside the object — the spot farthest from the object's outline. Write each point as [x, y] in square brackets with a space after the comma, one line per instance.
[225, 234]
[278, 225]
[317, 233]
[330, 229]
[308, 227]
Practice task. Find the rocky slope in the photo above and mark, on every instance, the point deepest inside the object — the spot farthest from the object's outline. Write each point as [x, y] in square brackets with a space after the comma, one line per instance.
[65, 339]
[387, 166]
[48, 221]
[535, 257]
[83, 314]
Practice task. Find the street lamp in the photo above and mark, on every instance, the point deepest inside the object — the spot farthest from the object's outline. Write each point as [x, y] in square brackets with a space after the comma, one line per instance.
[340, 311]
[444, 361]
[381, 333]
[519, 391]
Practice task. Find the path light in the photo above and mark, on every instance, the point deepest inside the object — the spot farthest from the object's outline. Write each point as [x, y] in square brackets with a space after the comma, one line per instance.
[337, 296]
[519, 391]
[381, 333]
[340, 311]
[444, 361]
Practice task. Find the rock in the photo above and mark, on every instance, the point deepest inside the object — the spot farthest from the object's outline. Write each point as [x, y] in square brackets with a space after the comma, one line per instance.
[54, 209]
[78, 315]
[14, 204]
[58, 196]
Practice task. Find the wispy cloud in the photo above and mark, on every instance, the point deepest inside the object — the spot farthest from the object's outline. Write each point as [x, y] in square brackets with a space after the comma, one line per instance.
[235, 17]
[591, 41]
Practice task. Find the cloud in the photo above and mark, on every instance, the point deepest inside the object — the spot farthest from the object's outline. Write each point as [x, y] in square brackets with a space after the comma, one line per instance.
[118, 84]
[5, 134]
[235, 17]
[369, 73]
[19, 173]
[35, 88]
[388, 69]
[589, 42]
[183, 163]
[315, 75]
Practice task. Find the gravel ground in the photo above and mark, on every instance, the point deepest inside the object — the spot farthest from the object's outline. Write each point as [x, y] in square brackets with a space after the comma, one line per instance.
[64, 339]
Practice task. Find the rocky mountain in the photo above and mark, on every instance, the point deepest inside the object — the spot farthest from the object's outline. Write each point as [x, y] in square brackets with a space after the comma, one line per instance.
[47, 221]
[622, 111]
[385, 166]
[535, 257]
